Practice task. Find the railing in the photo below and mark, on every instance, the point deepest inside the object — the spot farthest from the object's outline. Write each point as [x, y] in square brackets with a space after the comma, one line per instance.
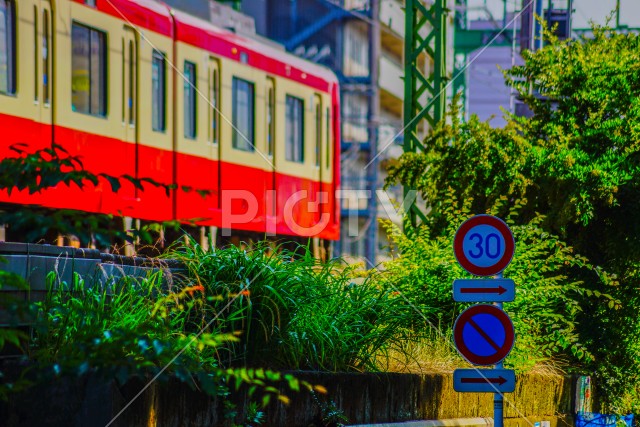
[362, 5]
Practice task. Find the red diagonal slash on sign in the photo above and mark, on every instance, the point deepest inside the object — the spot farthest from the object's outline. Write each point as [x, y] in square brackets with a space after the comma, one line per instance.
[490, 331]
[499, 290]
[500, 380]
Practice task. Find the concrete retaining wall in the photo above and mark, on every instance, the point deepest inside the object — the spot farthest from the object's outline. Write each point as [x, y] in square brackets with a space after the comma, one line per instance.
[363, 398]
[34, 262]
[383, 398]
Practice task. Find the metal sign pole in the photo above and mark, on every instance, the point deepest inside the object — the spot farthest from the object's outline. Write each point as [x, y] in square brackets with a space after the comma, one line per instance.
[484, 246]
[498, 399]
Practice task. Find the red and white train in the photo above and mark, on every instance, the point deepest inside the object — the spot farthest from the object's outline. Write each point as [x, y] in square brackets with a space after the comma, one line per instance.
[138, 89]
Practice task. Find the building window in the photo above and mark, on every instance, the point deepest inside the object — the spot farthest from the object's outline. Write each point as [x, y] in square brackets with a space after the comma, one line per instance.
[158, 92]
[190, 100]
[243, 115]
[88, 70]
[358, 49]
[294, 129]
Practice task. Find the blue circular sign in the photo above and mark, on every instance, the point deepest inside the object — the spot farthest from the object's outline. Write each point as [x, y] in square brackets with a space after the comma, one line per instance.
[483, 334]
[484, 245]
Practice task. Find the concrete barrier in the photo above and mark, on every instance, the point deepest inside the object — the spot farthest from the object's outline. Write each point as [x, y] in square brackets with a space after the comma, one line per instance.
[398, 400]
[34, 262]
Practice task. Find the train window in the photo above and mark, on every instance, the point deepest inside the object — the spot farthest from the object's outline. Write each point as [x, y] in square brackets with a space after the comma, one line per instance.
[36, 79]
[318, 140]
[327, 124]
[88, 70]
[190, 100]
[123, 80]
[158, 92]
[294, 129]
[270, 121]
[7, 47]
[243, 114]
[46, 61]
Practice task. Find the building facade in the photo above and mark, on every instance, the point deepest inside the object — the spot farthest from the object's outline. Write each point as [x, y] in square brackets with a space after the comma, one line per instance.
[487, 95]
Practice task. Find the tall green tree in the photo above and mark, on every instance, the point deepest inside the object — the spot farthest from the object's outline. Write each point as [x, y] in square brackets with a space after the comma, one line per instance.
[585, 136]
[577, 162]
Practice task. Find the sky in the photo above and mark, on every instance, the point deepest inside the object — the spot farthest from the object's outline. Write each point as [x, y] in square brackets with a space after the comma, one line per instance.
[487, 92]
[585, 10]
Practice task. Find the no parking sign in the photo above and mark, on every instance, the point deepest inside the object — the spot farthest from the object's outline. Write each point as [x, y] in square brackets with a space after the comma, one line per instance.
[483, 334]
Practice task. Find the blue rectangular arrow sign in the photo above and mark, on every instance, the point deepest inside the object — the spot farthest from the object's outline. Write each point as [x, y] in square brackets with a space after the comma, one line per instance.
[484, 290]
[484, 380]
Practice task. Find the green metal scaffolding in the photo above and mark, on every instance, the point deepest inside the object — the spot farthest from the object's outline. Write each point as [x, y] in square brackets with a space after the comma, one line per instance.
[424, 96]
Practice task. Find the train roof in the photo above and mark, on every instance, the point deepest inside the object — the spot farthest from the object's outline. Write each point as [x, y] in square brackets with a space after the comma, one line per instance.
[149, 14]
[157, 16]
[196, 31]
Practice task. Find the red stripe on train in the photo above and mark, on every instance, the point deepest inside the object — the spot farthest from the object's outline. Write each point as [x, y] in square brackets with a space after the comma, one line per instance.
[245, 188]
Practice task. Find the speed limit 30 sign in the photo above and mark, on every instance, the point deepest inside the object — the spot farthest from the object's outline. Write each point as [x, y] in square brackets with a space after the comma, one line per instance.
[484, 245]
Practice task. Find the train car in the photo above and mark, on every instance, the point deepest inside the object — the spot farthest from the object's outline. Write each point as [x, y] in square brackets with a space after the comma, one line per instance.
[246, 134]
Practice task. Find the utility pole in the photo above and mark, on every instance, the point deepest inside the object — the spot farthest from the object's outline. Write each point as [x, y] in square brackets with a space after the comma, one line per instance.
[424, 96]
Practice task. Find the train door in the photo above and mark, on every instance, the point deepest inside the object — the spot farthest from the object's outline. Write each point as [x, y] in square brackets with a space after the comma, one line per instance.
[43, 75]
[270, 182]
[214, 117]
[130, 96]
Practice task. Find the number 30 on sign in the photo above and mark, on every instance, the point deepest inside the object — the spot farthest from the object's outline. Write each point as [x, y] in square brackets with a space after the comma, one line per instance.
[484, 245]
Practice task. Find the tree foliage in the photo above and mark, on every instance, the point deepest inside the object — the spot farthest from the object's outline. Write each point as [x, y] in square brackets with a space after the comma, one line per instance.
[467, 162]
[46, 168]
[576, 161]
[585, 136]
[550, 299]
[36, 171]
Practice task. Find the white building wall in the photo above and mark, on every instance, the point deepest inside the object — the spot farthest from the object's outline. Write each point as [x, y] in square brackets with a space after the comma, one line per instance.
[390, 78]
[392, 15]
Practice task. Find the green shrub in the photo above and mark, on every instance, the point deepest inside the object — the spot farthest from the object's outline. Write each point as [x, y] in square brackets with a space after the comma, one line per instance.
[133, 328]
[550, 299]
[294, 312]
